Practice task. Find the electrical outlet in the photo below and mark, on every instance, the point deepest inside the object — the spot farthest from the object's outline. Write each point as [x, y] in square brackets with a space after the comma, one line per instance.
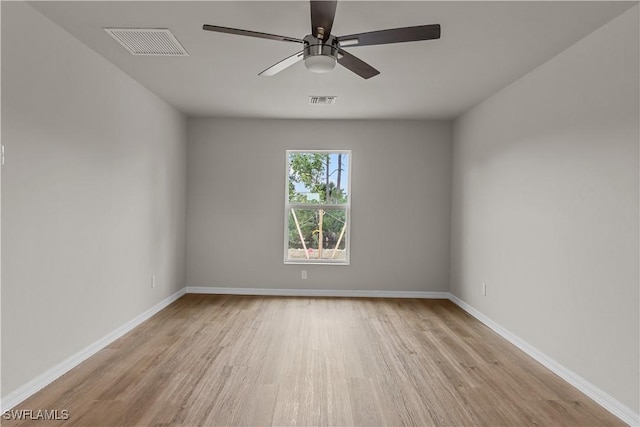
[153, 281]
[303, 275]
[484, 289]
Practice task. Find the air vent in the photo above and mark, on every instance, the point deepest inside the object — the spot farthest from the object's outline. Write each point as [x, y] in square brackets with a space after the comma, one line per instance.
[322, 100]
[148, 41]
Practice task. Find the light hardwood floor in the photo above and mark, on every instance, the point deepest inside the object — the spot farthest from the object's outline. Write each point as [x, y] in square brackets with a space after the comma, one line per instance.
[211, 360]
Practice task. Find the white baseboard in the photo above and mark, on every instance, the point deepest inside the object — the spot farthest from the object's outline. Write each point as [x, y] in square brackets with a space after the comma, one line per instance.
[317, 292]
[28, 389]
[605, 400]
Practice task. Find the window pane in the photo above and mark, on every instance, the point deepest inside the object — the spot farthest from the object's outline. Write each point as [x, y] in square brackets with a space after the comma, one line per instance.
[307, 242]
[318, 177]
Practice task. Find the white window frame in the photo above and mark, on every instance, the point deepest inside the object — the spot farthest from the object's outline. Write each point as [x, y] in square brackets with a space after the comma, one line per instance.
[345, 207]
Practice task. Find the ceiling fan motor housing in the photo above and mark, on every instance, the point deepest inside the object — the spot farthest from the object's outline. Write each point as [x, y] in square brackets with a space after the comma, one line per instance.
[314, 46]
[320, 56]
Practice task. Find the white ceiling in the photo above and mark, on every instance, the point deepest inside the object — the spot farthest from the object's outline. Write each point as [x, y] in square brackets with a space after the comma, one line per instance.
[484, 47]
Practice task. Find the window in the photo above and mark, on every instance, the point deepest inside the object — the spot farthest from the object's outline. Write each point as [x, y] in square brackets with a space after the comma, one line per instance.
[317, 207]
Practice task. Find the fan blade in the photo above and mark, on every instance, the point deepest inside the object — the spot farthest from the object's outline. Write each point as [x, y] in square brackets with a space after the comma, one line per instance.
[395, 35]
[322, 14]
[285, 63]
[356, 65]
[250, 33]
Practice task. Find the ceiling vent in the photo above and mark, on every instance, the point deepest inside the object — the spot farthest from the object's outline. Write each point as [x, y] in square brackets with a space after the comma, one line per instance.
[322, 100]
[148, 41]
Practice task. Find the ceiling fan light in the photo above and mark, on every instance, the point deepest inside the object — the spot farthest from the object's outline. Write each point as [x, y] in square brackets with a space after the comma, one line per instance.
[320, 63]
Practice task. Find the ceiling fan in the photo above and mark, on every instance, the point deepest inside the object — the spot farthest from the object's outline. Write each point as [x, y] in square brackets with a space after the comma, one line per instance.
[321, 49]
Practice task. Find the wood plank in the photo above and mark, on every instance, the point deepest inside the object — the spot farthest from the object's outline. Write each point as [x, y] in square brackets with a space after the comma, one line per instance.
[247, 361]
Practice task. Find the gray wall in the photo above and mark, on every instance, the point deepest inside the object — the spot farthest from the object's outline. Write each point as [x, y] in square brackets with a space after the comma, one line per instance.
[93, 196]
[545, 208]
[400, 203]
